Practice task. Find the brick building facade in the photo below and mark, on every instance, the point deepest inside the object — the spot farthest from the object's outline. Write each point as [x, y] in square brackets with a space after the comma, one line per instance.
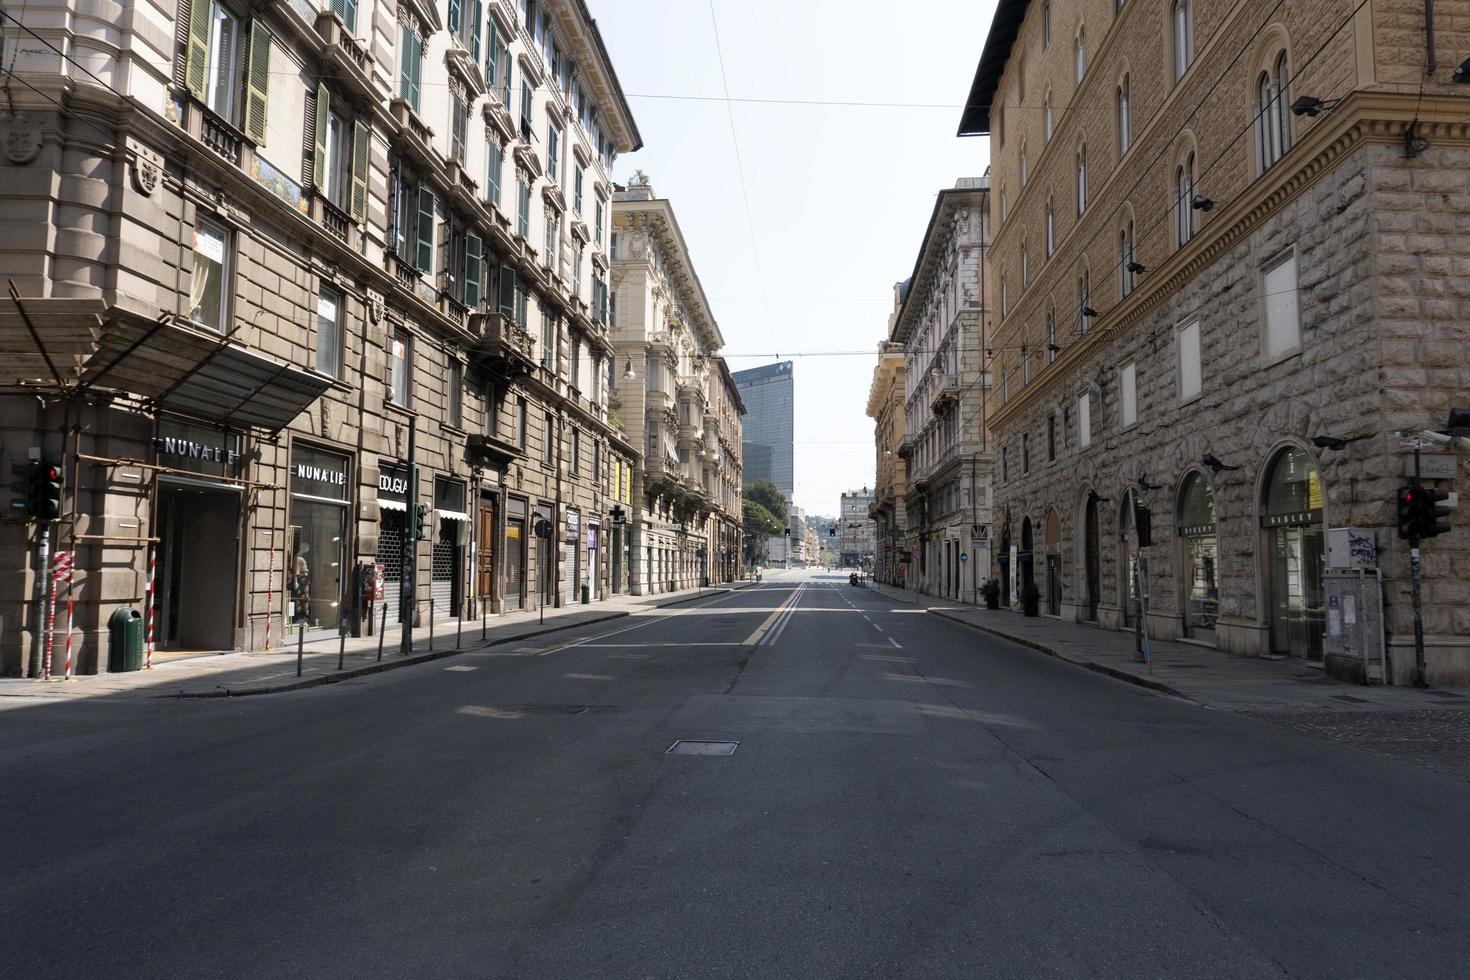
[1219, 309]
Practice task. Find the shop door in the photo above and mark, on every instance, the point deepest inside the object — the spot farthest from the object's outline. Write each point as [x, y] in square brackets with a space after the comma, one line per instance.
[444, 582]
[545, 572]
[515, 563]
[1296, 592]
[199, 532]
[392, 526]
[594, 535]
[617, 560]
[569, 570]
[485, 555]
[1093, 558]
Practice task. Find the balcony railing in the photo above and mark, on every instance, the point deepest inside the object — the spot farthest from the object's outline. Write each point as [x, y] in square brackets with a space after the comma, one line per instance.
[221, 137]
[335, 220]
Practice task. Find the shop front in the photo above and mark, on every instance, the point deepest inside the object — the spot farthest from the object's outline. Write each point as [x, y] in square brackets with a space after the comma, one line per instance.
[594, 568]
[1292, 523]
[571, 554]
[451, 538]
[517, 538]
[316, 538]
[486, 551]
[197, 521]
[392, 527]
[1199, 558]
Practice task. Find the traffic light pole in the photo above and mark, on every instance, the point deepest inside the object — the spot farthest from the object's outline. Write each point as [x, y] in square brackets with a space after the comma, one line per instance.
[1418, 602]
[43, 580]
[410, 547]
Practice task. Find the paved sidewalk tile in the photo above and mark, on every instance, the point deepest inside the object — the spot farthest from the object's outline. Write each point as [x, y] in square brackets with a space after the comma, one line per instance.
[238, 674]
[1199, 673]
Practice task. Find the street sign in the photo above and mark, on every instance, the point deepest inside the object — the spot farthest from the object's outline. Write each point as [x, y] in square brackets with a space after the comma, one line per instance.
[1133, 542]
[964, 557]
[1432, 466]
[980, 535]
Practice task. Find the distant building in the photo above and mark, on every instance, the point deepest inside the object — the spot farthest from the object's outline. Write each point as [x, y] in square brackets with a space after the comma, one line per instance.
[855, 529]
[770, 412]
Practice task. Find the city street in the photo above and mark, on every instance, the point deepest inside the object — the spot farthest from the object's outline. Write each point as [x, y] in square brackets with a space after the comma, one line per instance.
[908, 798]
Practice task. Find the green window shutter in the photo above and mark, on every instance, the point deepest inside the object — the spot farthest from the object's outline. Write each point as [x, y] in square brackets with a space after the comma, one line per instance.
[492, 172]
[319, 151]
[479, 16]
[196, 62]
[507, 290]
[257, 81]
[425, 256]
[361, 138]
[454, 15]
[490, 61]
[509, 71]
[472, 252]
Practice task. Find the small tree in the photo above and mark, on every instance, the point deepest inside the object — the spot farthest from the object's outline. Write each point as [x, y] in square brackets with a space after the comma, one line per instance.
[768, 495]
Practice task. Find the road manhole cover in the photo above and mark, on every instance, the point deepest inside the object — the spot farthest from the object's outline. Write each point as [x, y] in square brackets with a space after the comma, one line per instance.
[689, 746]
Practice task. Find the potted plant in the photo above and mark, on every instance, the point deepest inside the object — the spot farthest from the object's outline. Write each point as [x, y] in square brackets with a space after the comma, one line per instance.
[1030, 599]
[991, 592]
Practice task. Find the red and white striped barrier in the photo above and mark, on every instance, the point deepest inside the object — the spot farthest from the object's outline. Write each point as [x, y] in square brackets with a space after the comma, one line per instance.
[148, 643]
[60, 569]
[270, 595]
[71, 573]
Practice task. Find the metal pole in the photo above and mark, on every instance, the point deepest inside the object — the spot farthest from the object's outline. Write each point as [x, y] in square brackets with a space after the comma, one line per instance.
[410, 547]
[300, 638]
[1414, 580]
[431, 623]
[381, 630]
[458, 628]
[483, 618]
[341, 643]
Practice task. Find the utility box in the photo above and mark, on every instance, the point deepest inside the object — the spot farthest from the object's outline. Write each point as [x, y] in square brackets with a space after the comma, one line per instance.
[1355, 649]
[125, 640]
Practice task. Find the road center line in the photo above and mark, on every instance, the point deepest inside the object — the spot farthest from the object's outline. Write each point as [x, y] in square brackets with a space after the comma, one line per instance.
[760, 631]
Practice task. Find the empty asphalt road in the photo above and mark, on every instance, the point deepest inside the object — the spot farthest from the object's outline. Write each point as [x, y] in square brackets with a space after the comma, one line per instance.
[907, 798]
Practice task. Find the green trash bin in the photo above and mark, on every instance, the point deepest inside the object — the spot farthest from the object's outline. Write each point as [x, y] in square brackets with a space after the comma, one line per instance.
[125, 640]
[586, 599]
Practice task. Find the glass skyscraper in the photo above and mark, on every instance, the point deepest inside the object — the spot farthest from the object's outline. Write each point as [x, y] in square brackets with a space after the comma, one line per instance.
[770, 414]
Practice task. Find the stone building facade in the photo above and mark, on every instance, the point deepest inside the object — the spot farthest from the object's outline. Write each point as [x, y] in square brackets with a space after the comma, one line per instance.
[941, 327]
[1225, 262]
[293, 270]
[853, 544]
[886, 409]
[676, 400]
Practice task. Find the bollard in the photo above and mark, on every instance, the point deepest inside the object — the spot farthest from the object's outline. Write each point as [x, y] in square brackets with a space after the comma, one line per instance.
[300, 638]
[381, 630]
[431, 625]
[458, 628]
[341, 643]
[482, 619]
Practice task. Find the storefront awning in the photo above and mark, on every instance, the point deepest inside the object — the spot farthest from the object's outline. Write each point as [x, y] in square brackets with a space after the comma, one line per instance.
[386, 504]
[192, 372]
[452, 515]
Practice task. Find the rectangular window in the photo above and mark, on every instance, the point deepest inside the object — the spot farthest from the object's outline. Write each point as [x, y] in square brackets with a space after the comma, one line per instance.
[523, 207]
[337, 159]
[548, 451]
[1005, 464]
[1283, 323]
[329, 332]
[221, 70]
[459, 121]
[398, 354]
[1051, 437]
[1084, 421]
[410, 66]
[597, 232]
[1025, 452]
[456, 393]
[347, 10]
[553, 238]
[526, 103]
[576, 452]
[520, 433]
[1191, 382]
[1128, 394]
[553, 154]
[424, 234]
[209, 288]
[577, 189]
[474, 250]
[494, 166]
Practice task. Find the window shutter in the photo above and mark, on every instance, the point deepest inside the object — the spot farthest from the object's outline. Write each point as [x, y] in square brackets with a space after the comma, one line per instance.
[454, 6]
[492, 172]
[425, 257]
[507, 290]
[196, 63]
[472, 252]
[319, 150]
[360, 141]
[490, 43]
[257, 81]
[475, 32]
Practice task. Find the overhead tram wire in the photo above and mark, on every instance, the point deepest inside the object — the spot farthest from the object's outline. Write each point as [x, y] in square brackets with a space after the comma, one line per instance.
[1168, 211]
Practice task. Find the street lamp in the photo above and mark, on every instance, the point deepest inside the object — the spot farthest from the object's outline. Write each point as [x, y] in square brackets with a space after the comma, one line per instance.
[628, 374]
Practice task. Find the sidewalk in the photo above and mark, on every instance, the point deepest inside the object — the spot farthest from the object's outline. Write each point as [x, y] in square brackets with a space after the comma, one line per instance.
[259, 672]
[1197, 673]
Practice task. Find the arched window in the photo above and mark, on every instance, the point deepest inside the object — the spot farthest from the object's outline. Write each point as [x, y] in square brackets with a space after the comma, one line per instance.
[1046, 115]
[1024, 168]
[1125, 117]
[1046, 25]
[1199, 556]
[1185, 219]
[1273, 113]
[1051, 336]
[1082, 180]
[1183, 20]
[1084, 302]
[1025, 266]
[1081, 55]
[1051, 229]
[1003, 207]
[1125, 259]
[1005, 300]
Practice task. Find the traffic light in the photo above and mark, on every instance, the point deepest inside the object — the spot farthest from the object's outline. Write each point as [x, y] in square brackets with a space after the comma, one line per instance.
[1408, 511]
[48, 487]
[420, 522]
[1433, 515]
[22, 487]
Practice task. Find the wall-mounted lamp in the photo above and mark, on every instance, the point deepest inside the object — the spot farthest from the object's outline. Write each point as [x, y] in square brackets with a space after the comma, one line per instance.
[1459, 423]
[1093, 498]
[1143, 483]
[1461, 72]
[1335, 442]
[1215, 465]
[628, 374]
[1088, 311]
[1137, 268]
[1201, 203]
[1312, 107]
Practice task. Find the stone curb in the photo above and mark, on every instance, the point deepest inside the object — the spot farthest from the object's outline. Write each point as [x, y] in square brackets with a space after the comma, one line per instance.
[425, 657]
[1093, 665]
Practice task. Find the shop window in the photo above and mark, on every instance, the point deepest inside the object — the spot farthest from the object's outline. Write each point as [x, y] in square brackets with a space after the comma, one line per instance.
[399, 352]
[317, 536]
[209, 288]
[1283, 324]
[329, 332]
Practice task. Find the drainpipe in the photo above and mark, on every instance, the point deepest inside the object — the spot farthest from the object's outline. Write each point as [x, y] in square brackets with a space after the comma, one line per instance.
[1430, 64]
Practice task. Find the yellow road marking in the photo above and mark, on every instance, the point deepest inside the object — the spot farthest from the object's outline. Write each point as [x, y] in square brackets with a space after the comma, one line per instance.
[763, 628]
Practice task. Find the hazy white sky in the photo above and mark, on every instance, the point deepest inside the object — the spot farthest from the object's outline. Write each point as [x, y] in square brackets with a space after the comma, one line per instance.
[839, 195]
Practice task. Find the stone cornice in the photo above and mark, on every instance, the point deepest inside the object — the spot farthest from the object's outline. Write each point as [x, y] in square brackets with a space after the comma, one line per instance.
[1362, 118]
